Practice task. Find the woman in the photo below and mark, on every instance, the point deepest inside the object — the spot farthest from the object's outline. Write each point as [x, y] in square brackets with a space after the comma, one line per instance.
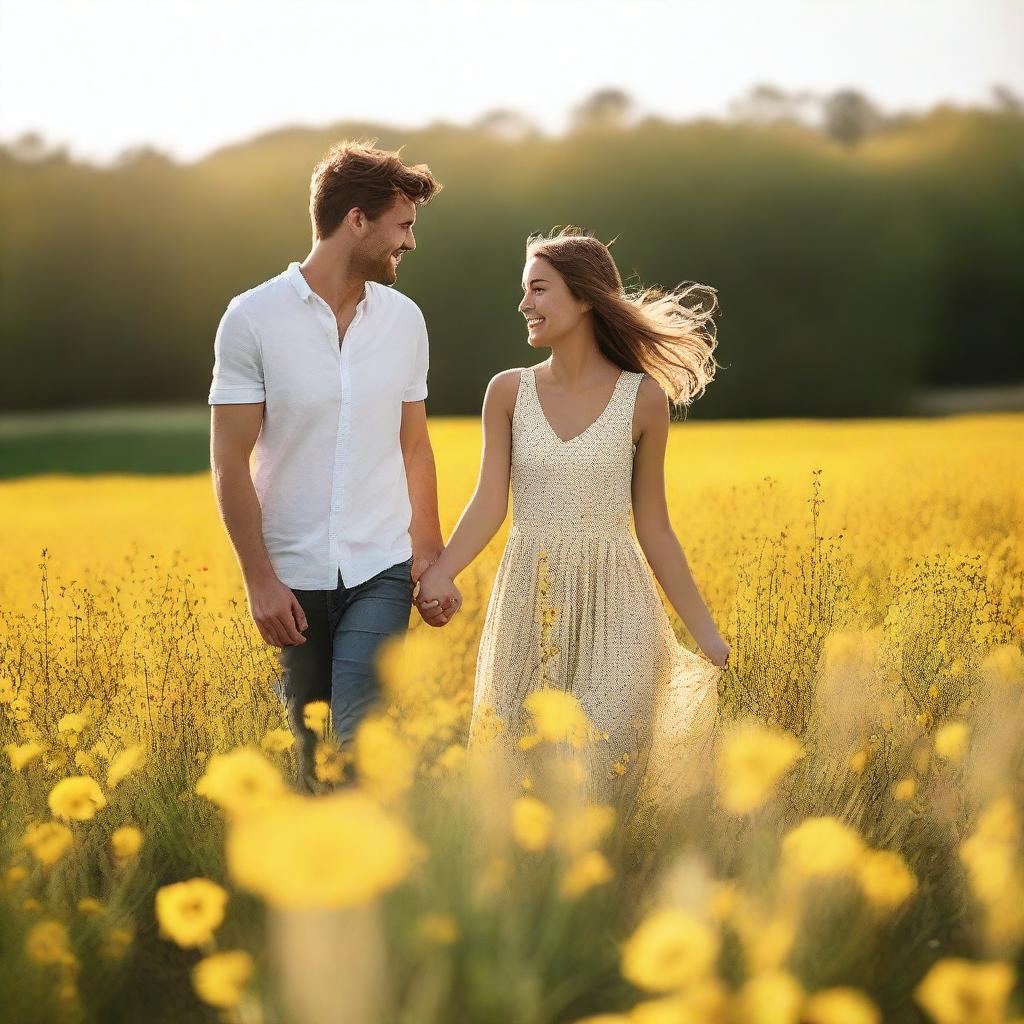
[582, 438]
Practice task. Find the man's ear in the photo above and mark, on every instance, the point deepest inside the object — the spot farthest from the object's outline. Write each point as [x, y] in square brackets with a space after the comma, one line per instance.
[357, 220]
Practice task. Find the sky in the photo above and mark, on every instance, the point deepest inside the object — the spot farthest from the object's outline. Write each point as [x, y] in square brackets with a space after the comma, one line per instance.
[102, 76]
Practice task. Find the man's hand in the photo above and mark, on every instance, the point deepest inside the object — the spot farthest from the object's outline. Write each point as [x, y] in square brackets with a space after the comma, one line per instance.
[423, 558]
[276, 611]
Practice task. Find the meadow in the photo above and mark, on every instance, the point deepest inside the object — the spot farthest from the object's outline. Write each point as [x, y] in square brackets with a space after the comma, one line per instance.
[851, 853]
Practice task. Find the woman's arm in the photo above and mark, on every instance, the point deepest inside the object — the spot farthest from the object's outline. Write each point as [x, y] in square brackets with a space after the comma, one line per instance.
[488, 507]
[654, 529]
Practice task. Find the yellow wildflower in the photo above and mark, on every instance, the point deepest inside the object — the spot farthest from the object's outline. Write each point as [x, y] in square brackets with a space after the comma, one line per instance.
[22, 754]
[840, 1005]
[958, 991]
[221, 979]
[125, 763]
[90, 905]
[77, 798]
[585, 828]
[189, 912]
[315, 715]
[822, 846]
[558, 716]
[532, 823]
[47, 943]
[751, 761]
[241, 780]
[48, 841]
[329, 762]
[386, 763]
[126, 842]
[885, 878]
[859, 762]
[71, 727]
[905, 789]
[340, 850]
[771, 997]
[588, 870]
[951, 741]
[277, 741]
[669, 949]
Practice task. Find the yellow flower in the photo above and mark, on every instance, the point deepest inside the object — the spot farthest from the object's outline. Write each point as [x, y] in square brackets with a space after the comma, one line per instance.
[532, 823]
[118, 942]
[71, 726]
[329, 762]
[859, 762]
[277, 741]
[558, 716]
[189, 912]
[15, 874]
[47, 943]
[125, 763]
[240, 781]
[90, 905]
[453, 759]
[905, 789]
[439, 929]
[126, 842]
[751, 761]
[1004, 664]
[840, 1006]
[951, 741]
[822, 846]
[21, 754]
[958, 991]
[340, 850]
[221, 979]
[584, 829]
[48, 841]
[77, 798]
[669, 949]
[385, 761]
[885, 878]
[588, 870]
[771, 997]
[315, 715]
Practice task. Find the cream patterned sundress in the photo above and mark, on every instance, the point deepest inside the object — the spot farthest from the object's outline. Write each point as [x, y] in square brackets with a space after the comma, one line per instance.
[575, 607]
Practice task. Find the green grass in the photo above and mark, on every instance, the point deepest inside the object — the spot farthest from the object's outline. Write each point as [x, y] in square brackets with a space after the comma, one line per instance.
[171, 439]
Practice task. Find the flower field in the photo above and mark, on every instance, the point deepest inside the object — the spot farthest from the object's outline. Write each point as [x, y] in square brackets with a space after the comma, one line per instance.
[851, 853]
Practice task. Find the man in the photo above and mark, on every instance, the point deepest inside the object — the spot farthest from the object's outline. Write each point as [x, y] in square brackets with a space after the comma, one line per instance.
[321, 374]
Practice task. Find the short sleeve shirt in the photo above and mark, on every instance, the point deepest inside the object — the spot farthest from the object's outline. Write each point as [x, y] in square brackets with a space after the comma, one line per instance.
[327, 466]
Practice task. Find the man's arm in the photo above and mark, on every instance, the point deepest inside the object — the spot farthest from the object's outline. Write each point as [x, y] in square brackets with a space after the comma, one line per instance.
[275, 609]
[421, 476]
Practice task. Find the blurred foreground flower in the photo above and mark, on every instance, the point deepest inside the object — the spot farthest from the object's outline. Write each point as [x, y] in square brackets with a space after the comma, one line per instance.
[125, 763]
[958, 991]
[558, 717]
[47, 943]
[48, 841]
[126, 842]
[334, 851]
[240, 781]
[751, 761]
[840, 1005]
[669, 949]
[951, 741]
[77, 798]
[22, 754]
[221, 979]
[189, 912]
[822, 846]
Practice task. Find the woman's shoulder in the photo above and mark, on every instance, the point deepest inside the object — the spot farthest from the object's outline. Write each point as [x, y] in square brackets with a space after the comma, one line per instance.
[651, 400]
[503, 388]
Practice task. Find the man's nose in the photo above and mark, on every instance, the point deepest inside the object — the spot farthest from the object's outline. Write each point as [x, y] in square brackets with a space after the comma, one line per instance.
[410, 241]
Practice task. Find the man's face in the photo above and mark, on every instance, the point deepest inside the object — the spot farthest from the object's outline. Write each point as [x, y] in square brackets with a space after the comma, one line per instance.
[386, 240]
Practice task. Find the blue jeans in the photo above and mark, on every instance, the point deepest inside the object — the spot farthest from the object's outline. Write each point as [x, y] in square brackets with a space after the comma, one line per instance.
[346, 628]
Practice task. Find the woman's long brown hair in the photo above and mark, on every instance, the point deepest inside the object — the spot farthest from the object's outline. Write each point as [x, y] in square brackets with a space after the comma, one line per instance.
[645, 330]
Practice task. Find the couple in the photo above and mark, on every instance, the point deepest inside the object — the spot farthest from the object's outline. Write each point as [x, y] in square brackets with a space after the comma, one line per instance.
[320, 374]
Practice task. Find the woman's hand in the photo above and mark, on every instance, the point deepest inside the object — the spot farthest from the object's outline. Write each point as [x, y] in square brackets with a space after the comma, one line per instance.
[437, 598]
[718, 653]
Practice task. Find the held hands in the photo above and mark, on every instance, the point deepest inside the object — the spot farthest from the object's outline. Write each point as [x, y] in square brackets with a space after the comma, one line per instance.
[436, 597]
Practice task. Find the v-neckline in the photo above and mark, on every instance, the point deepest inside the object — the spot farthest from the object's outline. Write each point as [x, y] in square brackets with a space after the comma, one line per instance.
[601, 415]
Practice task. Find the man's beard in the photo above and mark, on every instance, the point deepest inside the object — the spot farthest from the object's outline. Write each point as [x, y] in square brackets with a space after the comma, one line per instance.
[376, 267]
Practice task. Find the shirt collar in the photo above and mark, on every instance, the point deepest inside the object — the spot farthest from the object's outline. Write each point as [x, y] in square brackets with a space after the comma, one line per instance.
[301, 285]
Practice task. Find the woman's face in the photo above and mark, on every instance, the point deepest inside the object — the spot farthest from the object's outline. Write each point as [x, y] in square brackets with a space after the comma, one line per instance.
[551, 310]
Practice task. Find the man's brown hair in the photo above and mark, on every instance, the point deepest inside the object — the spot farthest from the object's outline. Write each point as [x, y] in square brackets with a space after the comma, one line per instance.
[355, 174]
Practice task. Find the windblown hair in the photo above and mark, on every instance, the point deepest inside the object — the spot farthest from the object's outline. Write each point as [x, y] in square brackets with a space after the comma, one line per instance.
[355, 174]
[645, 330]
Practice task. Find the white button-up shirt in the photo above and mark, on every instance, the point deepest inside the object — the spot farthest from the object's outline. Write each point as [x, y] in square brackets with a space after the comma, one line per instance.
[327, 466]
